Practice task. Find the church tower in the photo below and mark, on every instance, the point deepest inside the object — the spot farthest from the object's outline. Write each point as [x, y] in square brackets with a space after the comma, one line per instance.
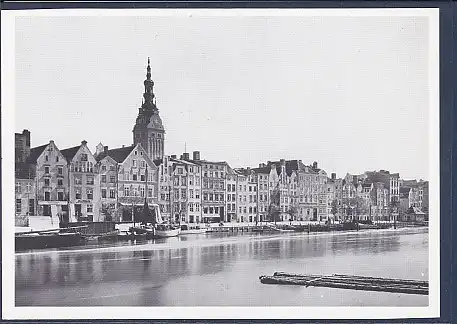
[148, 129]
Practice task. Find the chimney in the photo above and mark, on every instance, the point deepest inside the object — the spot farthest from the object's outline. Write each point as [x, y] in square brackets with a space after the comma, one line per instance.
[186, 156]
[51, 142]
[333, 176]
[282, 161]
[181, 157]
[314, 165]
[26, 134]
[196, 155]
[123, 145]
[299, 162]
[105, 149]
[173, 156]
[83, 142]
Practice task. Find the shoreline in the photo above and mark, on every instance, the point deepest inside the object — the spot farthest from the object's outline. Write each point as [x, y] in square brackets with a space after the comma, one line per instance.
[213, 239]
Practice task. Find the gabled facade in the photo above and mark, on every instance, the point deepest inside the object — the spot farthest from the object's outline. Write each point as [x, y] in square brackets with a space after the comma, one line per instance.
[128, 177]
[51, 181]
[84, 184]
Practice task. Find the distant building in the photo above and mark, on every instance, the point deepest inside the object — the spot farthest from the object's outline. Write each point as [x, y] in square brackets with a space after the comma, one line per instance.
[213, 190]
[263, 190]
[24, 193]
[148, 129]
[180, 188]
[232, 203]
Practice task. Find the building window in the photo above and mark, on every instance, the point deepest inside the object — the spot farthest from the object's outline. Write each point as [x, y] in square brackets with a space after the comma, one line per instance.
[18, 187]
[126, 191]
[143, 164]
[142, 191]
[84, 157]
[89, 208]
[112, 193]
[90, 180]
[18, 205]
[134, 177]
[78, 180]
[60, 170]
[197, 194]
[31, 206]
[142, 177]
[46, 170]
[60, 196]
[112, 178]
[211, 210]
[134, 163]
[103, 167]
[191, 207]
[150, 192]
[103, 193]
[90, 194]
[191, 193]
[47, 196]
[78, 193]
[103, 178]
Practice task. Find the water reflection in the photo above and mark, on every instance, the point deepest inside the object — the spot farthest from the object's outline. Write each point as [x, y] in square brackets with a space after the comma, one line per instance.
[153, 273]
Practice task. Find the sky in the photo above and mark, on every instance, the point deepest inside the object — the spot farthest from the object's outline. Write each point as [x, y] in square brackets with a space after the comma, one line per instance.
[348, 92]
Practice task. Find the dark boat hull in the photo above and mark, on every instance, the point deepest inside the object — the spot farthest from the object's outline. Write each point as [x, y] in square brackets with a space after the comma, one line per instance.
[47, 241]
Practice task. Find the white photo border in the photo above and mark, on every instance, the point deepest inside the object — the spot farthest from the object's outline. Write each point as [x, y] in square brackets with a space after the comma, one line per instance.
[10, 311]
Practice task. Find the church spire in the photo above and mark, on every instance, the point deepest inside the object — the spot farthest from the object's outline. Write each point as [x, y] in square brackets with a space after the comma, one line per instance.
[148, 88]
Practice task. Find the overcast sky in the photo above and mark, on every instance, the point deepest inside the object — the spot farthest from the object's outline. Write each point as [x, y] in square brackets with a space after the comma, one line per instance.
[348, 92]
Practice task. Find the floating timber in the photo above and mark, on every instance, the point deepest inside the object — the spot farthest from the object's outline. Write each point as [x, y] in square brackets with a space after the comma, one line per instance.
[403, 286]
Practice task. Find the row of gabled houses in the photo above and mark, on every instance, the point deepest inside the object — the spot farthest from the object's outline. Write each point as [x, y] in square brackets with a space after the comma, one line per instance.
[112, 184]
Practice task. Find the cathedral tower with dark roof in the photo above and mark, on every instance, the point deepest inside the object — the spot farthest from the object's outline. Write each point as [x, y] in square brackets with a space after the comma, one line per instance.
[148, 129]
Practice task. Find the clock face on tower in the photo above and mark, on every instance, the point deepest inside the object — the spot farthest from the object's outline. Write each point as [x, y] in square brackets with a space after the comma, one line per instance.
[155, 122]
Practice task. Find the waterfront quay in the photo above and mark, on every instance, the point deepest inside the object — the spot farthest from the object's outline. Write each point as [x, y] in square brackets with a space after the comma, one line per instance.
[197, 270]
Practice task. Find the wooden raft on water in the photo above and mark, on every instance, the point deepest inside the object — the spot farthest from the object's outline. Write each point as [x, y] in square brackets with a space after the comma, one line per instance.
[404, 286]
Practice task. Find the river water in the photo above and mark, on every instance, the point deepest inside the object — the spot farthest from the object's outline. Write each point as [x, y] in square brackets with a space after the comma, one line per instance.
[222, 270]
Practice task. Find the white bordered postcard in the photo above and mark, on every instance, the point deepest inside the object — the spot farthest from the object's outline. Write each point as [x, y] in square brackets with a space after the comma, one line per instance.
[220, 164]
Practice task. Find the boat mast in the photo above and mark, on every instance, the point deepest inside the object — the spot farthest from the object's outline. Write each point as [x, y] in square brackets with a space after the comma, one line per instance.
[146, 193]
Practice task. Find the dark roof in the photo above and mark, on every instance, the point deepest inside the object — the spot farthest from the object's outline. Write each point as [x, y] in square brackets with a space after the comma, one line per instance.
[35, 153]
[157, 162]
[24, 171]
[69, 153]
[118, 154]
[404, 190]
[265, 169]
[291, 165]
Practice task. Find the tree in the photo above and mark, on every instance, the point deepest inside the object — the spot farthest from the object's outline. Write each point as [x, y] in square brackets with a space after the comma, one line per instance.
[273, 208]
[334, 208]
[393, 207]
[292, 211]
[355, 207]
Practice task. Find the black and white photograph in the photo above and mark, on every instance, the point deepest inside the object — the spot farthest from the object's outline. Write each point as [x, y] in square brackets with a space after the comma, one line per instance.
[203, 163]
